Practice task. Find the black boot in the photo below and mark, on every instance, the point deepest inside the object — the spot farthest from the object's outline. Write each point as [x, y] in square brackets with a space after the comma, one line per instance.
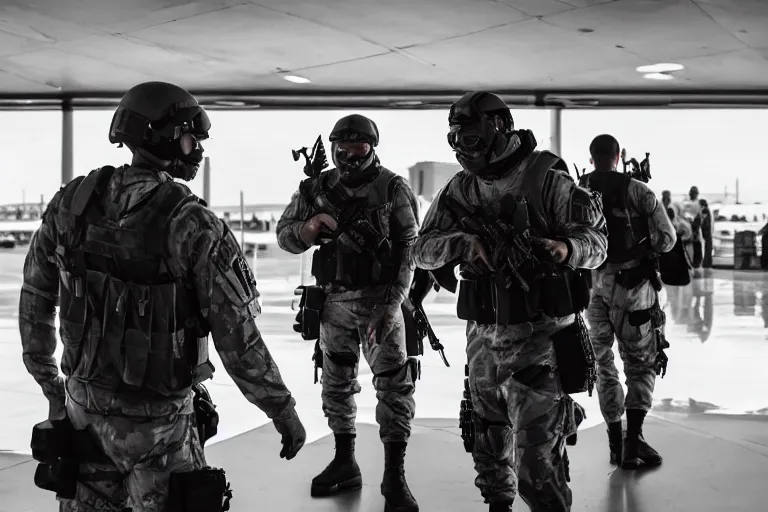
[636, 450]
[343, 473]
[500, 506]
[394, 488]
[615, 440]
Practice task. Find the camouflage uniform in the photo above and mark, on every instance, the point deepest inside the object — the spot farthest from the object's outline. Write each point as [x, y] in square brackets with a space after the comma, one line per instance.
[145, 439]
[608, 316]
[347, 312]
[522, 416]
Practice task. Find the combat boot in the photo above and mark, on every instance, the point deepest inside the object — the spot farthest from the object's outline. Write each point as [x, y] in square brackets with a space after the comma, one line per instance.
[500, 506]
[394, 488]
[343, 473]
[615, 441]
[636, 450]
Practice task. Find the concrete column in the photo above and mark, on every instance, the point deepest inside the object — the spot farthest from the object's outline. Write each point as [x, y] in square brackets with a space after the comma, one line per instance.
[67, 139]
[555, 130]
[207, 180]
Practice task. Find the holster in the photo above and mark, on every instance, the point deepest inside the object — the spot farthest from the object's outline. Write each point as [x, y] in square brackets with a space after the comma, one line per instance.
[317, 357]
[310, 309]
[206, 417]
[60, 449]
[414, 341]
[575, 355]
[204, 490]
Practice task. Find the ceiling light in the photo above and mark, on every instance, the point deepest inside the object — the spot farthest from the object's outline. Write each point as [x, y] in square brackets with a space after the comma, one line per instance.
[407, 103]
[230, 103]
[658, 76]
[297, 79]
[664, 67]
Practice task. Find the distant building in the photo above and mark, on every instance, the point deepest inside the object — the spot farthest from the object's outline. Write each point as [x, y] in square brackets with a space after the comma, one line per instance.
[427, 178]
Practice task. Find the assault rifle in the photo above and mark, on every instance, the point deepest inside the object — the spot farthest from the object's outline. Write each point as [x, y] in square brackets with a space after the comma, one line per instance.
[314, 163]
[511, 248]
[422, 282]
[640, 171]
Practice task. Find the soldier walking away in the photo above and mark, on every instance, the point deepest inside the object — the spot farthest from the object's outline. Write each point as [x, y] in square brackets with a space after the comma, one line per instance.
[625, 303]
[363, 216]
[519, 228]
[143, 272]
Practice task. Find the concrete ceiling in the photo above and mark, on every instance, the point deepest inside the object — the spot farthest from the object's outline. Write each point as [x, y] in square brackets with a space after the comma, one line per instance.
[383, 51]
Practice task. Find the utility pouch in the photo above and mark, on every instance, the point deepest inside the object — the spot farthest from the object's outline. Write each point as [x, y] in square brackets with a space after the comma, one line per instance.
[60, 449]
[59, 477]
[204, 490]
[575, 356]
[310, 309]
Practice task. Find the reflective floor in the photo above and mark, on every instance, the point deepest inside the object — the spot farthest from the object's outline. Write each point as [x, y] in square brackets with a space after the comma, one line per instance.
[708, 417]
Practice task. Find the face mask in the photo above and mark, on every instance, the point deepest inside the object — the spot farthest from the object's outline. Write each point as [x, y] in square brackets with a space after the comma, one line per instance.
[352, 157]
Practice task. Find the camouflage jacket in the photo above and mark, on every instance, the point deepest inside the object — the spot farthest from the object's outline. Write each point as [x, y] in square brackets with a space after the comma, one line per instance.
[200, 245]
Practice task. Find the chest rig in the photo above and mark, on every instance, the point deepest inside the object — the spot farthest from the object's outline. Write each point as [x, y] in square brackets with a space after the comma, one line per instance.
[359, 253]
[529, 282]
[128, 324]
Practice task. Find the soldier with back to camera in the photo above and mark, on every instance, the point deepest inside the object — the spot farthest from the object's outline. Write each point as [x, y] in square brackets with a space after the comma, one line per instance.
[520, 229]
[625, 303]
[363, 216]
[142, 273]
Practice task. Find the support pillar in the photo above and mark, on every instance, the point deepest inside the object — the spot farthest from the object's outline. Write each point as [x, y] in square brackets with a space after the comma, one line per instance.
[67, 139]
[555, 130]
[207, 181]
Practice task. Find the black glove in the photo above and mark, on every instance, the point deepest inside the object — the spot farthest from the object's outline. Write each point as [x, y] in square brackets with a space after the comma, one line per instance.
[290, 427]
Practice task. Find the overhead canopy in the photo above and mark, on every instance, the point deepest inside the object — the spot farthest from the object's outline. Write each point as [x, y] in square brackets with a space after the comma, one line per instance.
[394, 53]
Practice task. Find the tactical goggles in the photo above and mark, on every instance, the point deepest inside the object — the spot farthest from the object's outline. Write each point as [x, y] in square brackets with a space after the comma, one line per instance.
[192, 120]
[358, 149]
[472, 137]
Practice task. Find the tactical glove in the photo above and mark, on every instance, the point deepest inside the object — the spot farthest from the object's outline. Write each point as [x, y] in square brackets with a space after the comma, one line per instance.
[290, 427]
[310, 229]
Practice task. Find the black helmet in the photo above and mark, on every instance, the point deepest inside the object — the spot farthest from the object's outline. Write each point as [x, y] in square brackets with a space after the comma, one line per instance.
[164, 120]
[473, 131]
[355, 128]
[352, 141]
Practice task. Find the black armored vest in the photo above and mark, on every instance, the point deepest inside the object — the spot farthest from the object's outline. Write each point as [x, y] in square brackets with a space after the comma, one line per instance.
[625, 230]
[361, 253]
[128, 324]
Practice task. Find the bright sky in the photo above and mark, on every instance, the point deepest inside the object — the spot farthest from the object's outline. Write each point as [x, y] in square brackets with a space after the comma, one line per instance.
[252, 150]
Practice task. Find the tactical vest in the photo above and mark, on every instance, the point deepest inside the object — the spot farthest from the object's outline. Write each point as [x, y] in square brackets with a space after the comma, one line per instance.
[128, 324]
[362, 254]
[625, 230]
[554, 290]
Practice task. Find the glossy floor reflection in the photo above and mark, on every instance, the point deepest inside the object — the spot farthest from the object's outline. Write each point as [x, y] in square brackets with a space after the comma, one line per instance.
[707, 416]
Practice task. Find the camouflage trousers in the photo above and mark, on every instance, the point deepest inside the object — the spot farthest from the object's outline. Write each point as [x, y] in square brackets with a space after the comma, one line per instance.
[343, 330]
[608, 317]
[143, 454]
[522, 416]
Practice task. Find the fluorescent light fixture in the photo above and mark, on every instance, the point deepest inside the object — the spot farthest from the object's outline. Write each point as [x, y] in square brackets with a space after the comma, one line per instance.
[664, 67]
[407, 103]
[297, 79]
[230, 103]
[658, 76]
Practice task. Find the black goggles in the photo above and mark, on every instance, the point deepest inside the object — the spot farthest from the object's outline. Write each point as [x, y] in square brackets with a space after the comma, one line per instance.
[192, 120]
